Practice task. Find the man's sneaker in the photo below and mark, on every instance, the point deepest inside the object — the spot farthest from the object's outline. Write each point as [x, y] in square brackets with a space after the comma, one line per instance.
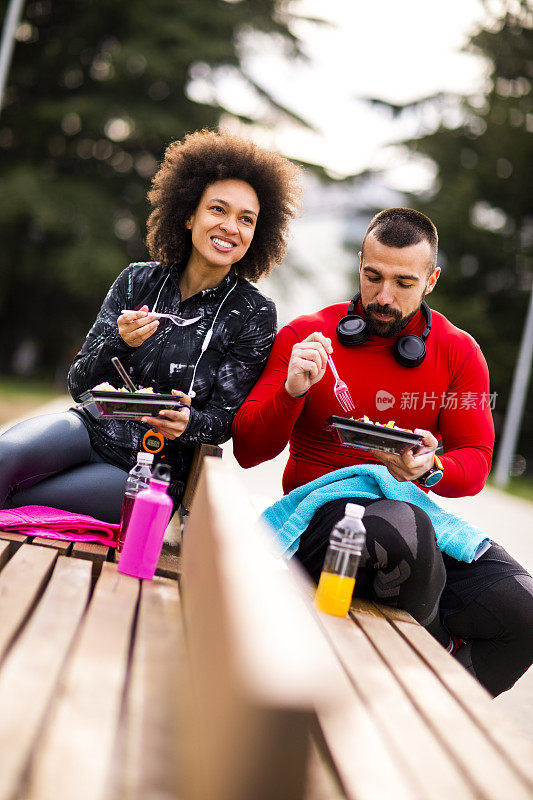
[455, 644]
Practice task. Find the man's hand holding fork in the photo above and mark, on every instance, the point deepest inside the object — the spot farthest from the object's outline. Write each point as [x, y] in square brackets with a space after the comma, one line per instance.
[308, 362]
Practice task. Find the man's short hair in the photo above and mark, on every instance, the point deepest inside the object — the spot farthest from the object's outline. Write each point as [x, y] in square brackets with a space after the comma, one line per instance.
[402, 227]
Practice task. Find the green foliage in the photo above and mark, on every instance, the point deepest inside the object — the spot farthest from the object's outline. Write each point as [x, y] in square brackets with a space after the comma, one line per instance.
[26, 390]
[95, 93]
[482, 205]
[520, 487]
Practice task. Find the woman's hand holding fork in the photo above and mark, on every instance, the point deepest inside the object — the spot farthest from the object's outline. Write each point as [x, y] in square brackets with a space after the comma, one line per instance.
[136, 326]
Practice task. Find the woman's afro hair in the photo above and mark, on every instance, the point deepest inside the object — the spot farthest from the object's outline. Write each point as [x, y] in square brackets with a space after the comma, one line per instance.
[191, 165]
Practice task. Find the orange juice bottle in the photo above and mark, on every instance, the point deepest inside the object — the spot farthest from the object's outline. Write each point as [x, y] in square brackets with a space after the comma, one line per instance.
[337, 580]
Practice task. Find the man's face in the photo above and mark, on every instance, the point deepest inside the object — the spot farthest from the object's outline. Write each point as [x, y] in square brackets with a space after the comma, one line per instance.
[394, 281]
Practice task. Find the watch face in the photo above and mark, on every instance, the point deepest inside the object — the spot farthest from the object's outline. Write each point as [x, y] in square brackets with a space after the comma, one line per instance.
[433, 477]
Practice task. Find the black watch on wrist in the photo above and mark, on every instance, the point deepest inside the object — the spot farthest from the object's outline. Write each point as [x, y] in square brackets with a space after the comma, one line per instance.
[433, 475]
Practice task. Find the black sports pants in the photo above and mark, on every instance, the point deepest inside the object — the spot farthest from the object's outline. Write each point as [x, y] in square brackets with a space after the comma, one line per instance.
[49, 461]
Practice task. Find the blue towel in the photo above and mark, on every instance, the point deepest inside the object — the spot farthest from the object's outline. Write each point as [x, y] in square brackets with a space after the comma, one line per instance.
[290, 516]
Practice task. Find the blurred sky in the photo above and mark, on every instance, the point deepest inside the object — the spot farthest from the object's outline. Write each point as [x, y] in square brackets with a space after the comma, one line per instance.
[397, 51]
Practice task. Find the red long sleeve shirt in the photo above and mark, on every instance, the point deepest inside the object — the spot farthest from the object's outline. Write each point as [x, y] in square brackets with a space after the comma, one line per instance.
[448, 394]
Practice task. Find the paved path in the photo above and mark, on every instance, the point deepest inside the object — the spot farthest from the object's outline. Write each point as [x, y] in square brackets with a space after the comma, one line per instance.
[507, 519]
[56, 405]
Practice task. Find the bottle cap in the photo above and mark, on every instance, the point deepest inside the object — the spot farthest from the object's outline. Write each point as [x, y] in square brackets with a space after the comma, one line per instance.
[161, 473]
[145, 458]
[354, 510]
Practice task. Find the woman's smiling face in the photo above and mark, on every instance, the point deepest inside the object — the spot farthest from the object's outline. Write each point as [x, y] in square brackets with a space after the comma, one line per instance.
[223, 225]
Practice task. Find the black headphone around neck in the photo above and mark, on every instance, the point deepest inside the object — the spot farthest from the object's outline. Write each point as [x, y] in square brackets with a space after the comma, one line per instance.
[409, 350]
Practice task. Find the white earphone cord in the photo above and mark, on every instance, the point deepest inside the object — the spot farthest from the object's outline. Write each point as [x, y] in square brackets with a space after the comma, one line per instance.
[205, 343]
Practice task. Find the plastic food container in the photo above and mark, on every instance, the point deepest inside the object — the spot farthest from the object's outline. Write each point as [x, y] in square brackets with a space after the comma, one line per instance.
[130, 405]
[367, 436]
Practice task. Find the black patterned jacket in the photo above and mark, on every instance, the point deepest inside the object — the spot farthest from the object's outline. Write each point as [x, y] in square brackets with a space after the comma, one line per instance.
[242, 337]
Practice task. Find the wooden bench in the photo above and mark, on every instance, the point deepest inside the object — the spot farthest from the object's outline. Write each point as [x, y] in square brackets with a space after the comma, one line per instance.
[243, 691]
[201, 451]
[402, 718]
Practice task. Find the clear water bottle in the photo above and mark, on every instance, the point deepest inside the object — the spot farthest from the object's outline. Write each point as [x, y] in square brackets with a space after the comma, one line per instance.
[138, 479]
[151, 513]
[337, 580]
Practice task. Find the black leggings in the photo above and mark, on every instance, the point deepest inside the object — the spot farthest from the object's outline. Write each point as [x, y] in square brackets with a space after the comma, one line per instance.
[488, 603]
[49, 461]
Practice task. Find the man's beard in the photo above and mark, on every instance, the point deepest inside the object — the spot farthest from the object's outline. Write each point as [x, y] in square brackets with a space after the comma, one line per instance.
[391, 328]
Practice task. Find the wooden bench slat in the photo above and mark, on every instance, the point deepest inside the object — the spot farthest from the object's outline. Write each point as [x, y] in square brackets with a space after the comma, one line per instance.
[94, 552]
[430, 766]
[15, 539]
[169, 564]
[62, 545]
[488, 771]
[518, 749]
[322, 779]
[32, 667]
[200, 452]
[5, 552]
[355, 768]
[76, 747]
[356, 746]
[21, 582]
[90, 550]
[147, 763]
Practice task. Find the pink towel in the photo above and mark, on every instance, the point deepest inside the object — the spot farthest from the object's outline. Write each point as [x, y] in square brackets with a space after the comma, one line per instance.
[52, 523]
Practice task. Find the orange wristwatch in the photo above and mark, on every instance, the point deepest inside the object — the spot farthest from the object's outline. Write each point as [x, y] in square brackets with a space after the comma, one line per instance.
[433, 475]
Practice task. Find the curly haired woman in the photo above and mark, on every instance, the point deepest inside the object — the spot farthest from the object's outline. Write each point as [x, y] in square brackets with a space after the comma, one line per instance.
[221, 210]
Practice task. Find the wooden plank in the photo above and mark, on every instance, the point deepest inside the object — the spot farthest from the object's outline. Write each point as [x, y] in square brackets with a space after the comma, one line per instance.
[94, 552]
[200, 452]
[363, 759]
[357, 743]
[62, 545]
[4, 553]
[375, 746]
[32, 667]
[258, 665]
[431, 768]
[474, 753]
[397, 614]
[15, 539]
[323, 782]
[21, 582]
[169, 564]
[75, 752]
[516, 747]
[239, 681]
[147, 763]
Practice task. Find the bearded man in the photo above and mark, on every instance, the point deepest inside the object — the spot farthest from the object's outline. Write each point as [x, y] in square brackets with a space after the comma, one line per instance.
[404, 363]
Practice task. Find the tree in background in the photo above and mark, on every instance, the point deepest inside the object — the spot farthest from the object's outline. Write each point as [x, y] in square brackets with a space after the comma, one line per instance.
[96, 91]
[482, 201]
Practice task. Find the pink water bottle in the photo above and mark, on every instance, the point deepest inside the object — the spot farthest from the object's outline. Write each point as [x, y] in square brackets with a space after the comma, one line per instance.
[151, 513]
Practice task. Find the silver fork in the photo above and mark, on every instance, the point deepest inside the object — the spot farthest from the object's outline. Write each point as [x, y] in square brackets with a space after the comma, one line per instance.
[340, 390]
[181, 321]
